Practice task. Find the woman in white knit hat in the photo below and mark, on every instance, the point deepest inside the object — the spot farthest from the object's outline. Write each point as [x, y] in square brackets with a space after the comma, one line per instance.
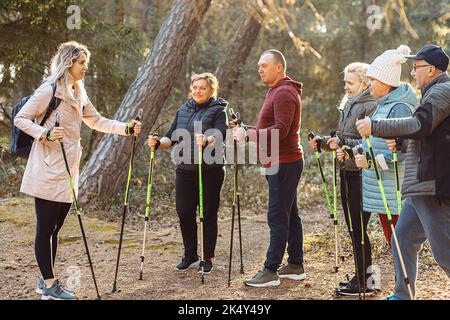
[394, 100]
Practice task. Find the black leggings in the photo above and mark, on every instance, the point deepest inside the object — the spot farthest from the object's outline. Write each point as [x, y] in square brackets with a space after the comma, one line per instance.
[354, 195]
[187, 199]
[50, 218]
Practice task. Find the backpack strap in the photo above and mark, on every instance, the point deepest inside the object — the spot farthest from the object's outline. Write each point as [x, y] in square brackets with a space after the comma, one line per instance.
[54, 103]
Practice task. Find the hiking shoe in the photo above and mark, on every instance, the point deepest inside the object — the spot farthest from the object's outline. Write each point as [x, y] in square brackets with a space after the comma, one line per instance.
[352, 289]
[292, 271]
[56, 292]
[41, 285]
[207, 267]
[187, 263]
[393, 297]
[264, 278]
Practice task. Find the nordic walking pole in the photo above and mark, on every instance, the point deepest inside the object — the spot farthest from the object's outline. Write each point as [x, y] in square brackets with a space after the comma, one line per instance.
[147, 208]
[231, 240]
[236, 116]
[363, 240]
[335, 215]
[200, 193]
[236, 203]
[350, 226]
[239, 213]
[361, 214]
[77, 210]
[397, 181]
[311, 136]
[391, 223]
[125, 204]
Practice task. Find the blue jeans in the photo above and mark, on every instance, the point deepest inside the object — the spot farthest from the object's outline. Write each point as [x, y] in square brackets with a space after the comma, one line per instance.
[421, 218]
[283, 216]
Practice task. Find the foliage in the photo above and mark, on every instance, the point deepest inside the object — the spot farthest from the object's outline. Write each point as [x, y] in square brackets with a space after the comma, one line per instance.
[319, 38]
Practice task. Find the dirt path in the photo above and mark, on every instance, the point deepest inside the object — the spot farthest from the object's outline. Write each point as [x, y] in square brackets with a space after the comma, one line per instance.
[18, 268]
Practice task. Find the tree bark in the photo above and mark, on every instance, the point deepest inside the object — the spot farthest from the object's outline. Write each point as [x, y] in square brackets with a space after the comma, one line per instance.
[105, 172]
[229, 70]
[120, 13]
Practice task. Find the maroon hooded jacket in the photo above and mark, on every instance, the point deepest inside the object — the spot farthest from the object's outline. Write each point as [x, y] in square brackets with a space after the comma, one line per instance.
[281, 111]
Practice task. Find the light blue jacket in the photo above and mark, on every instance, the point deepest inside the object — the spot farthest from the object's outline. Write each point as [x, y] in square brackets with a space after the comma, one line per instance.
[399, 103]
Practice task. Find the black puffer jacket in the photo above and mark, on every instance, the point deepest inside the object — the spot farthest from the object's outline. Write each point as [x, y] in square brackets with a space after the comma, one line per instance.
[212, 115]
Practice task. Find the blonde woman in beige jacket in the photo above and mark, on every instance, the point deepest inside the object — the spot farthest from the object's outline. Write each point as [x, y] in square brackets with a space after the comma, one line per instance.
[45, 176]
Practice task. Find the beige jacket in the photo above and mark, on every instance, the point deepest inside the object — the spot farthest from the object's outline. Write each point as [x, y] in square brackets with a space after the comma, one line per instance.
[45, 176]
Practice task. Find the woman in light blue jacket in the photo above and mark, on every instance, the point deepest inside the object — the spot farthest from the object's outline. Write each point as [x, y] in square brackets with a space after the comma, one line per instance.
[395, 100]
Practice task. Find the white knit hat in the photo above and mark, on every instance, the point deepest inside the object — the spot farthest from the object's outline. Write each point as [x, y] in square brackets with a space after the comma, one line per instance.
[387, 67]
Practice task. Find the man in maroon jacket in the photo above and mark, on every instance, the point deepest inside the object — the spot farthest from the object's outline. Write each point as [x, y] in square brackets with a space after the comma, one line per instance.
[279, 117]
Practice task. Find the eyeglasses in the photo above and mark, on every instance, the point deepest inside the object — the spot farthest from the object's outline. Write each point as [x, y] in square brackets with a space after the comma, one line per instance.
[420, 66]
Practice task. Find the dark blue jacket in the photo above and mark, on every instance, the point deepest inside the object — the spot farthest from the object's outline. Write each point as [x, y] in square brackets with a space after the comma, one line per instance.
[212, 115]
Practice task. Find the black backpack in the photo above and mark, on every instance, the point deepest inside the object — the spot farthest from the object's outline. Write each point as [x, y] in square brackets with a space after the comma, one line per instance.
[20, 141]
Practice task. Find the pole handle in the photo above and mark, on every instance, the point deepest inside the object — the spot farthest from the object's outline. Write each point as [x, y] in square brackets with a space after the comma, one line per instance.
[235, 116]
[361, 151]
[57, 121]
[139, 115]
[311, 136]
[349, 152]
[154, 134]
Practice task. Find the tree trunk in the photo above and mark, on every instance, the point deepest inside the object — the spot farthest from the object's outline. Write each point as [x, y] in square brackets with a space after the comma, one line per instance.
[120, 13]
[229, 70]
[105, 172]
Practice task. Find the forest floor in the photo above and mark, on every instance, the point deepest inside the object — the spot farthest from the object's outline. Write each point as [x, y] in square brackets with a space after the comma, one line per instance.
[18, 268]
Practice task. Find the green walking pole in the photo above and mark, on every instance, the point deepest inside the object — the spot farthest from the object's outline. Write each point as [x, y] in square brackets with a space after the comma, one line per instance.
[125, 204]
[77, 210]
[311, 136]
[200, 194]
[391, 223]
[147, 208]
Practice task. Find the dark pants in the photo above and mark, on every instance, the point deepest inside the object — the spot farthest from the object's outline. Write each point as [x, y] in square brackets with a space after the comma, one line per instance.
[283, 216]
[50, 218]
[187, 201]
[354, 198]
